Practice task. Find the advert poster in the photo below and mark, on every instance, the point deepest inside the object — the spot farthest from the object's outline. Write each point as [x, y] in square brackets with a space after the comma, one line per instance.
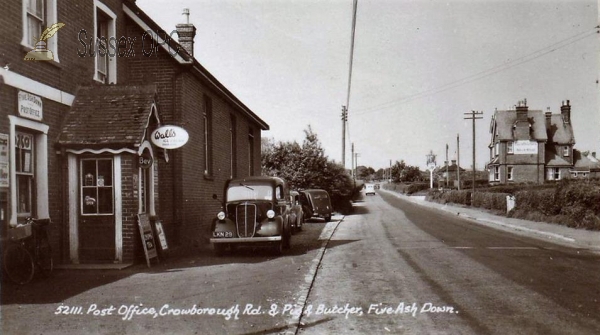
[3, 160]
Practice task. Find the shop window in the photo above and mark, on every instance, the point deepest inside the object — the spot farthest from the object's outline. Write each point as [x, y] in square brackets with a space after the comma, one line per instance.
[510, 173]
[510, 147]
[106, 65]
[96, 186]
[207, 120]
[24, 163]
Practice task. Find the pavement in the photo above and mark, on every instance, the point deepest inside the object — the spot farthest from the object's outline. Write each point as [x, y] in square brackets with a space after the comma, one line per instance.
[549, 232]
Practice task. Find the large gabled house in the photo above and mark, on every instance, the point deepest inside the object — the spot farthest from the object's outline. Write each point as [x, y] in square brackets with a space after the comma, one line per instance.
[533, 146]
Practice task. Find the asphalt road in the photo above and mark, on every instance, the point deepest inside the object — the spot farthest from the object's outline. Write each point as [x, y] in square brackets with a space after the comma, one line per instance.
[391, 267]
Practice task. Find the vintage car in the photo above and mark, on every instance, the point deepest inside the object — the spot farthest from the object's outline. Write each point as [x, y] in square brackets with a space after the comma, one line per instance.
[370, 189]
[255, 212]
[296, 213]
[316, 203]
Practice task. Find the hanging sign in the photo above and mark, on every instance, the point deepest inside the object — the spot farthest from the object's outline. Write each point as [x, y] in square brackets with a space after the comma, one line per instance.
[30, 106]
[147, 237]
[145, 160]
[169, 137]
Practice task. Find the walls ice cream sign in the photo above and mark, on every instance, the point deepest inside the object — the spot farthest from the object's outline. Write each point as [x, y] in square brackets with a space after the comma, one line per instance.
[169, 137]
[41, 51]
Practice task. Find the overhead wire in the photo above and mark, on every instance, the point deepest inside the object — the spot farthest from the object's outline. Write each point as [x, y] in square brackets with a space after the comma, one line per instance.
[483, 74]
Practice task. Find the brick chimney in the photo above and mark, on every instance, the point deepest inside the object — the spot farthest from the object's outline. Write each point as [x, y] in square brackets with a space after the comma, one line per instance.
[565, 110]
[522, 110]
[548, 117]
[186, 32]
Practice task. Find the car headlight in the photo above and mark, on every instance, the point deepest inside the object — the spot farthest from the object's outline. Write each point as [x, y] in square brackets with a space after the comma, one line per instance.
[270, 214]
[221, 216]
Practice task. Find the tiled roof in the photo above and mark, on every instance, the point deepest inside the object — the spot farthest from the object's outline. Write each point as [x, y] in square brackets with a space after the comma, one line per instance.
[583, 163]
[108, 115]
[553, 159]
[559, 132]
[506, 118]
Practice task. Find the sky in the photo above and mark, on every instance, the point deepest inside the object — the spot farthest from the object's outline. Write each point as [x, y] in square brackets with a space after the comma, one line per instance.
[418, 67]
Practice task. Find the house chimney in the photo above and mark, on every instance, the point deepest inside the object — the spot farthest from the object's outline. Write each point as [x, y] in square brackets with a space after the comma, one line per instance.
[186, 32]
[548, 117]
[565, 110]
[453, 162]
[522, 110]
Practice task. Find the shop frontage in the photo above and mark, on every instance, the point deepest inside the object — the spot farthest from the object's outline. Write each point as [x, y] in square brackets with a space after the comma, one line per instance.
[111, 172]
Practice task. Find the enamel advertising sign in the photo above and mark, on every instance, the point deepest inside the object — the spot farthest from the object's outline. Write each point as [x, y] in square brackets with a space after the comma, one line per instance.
[169, 137]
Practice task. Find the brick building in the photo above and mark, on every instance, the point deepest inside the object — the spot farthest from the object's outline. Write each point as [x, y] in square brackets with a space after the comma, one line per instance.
[75, 129]
[533, 146]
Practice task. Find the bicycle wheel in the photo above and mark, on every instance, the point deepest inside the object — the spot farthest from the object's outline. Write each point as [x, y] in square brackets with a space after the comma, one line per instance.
[18, 264]
[44, 257]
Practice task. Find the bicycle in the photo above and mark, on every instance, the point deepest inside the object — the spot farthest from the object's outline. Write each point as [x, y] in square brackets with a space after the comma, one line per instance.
[25, 254]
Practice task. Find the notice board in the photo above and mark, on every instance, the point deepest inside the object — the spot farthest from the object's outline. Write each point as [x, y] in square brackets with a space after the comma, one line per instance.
[161, 235]
[147, 237]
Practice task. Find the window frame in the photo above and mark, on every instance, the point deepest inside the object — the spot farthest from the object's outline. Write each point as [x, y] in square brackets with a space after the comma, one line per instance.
[496, 173]
[233, 147]
[29, 176]
[49, 15]
[510, 171]
[566, 151]
[111, 62]
[510, 147]
[207, 117]
[82, 186]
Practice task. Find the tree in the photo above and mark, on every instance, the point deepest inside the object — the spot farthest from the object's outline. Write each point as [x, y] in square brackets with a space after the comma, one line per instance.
[305, 166]
[401, 172]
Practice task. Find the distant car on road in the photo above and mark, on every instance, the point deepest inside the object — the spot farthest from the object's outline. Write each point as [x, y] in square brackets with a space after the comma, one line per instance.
[316, 203]
[370, 189]
[256, 211]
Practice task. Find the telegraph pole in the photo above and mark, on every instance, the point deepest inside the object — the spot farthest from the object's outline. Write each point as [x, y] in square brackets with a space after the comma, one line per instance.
[447, 172]
[474, 116]
[344, 119]
[353, 172]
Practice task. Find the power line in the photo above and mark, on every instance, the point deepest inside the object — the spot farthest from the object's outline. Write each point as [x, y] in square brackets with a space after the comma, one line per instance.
[482, 74]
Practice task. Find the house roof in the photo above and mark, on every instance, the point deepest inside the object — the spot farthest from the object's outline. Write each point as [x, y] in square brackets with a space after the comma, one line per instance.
[108, 115]
[560, 132]
[554, 159]
[583, 163]
[505, 119]
[141, 18]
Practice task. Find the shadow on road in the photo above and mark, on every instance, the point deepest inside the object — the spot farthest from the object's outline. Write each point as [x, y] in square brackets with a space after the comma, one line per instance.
[64, 283]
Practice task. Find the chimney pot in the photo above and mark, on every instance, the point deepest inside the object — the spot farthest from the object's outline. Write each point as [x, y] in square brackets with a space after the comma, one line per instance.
[186, 32]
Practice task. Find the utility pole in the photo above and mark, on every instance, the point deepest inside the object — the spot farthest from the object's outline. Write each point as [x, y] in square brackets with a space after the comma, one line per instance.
[458, 160]
[474, 116]
[353, 171]
[447, 172]
[344, 119]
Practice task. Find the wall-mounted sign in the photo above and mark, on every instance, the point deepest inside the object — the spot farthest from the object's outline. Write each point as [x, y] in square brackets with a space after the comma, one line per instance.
[30, 106]
[169, 137]
[525, 148]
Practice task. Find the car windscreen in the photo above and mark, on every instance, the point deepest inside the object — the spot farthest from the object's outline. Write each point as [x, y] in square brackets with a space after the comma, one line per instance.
[249, 192]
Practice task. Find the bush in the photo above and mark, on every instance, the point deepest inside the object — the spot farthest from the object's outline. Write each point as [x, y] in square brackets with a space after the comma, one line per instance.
[488, 200]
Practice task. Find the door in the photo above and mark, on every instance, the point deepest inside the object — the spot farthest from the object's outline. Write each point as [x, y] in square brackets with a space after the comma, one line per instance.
[97, 217]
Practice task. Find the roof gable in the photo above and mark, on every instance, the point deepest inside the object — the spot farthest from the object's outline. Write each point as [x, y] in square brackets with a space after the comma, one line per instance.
[505, 119]
[108, 115]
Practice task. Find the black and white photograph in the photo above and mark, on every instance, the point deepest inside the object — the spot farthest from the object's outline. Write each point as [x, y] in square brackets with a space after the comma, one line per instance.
[299, 167]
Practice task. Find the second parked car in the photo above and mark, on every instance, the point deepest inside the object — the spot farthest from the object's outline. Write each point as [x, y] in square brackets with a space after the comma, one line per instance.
[316, 203]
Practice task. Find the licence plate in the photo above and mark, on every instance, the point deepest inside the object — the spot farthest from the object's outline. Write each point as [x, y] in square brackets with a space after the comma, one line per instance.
[222, 234]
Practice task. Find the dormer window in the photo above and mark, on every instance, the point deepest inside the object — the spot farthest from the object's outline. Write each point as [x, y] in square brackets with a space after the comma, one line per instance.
[566, 151]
